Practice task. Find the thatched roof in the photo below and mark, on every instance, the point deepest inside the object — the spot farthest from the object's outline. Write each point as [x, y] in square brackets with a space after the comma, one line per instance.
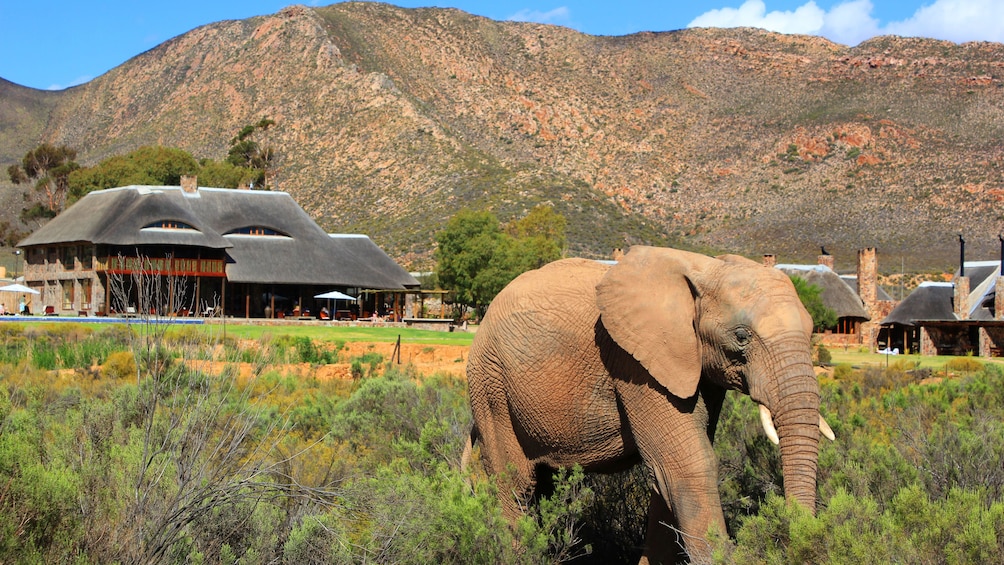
[982, 287]
[118, 216]
[294, 251]
[931, 301]
[835, 293]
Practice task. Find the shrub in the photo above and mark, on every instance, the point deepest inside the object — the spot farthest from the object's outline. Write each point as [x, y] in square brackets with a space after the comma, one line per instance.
[119, 365]
[823, 355]
[843, 371]
[43, 355]
[399, 516]
[963, 365]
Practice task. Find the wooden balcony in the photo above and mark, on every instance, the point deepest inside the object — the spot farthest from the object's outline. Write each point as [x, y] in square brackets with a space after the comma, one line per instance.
[119, 265]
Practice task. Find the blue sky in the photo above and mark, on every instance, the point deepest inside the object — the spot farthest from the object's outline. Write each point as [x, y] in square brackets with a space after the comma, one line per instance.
[57, 44]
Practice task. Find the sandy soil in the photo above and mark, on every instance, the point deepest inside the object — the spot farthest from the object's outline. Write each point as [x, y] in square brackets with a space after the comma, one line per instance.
[427, 359]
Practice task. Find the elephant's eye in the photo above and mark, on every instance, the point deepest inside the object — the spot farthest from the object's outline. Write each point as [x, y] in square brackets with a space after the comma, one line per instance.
[743, 336]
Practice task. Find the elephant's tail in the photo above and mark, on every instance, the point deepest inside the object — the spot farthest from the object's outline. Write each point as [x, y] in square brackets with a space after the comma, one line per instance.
[465, 458]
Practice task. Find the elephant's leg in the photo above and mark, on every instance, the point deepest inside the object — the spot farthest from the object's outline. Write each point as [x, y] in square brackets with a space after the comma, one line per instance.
[663, 545]
[503, 458]
[672, 438]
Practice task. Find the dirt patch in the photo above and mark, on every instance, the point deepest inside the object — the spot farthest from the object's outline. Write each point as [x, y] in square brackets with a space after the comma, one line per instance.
[427, 359]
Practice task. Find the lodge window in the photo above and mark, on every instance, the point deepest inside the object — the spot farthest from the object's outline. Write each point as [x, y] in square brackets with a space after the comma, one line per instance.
[68, 255]
[169, 225]
[67, 294]
[87, 257]
[256, 230]
[85, 294]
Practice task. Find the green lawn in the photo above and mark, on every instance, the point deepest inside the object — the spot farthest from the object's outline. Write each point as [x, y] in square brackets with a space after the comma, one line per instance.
[314, 332]
[856, 358]
[349, 334]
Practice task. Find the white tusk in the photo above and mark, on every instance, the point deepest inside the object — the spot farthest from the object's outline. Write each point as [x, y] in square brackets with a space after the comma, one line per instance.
[825, 428]
[767, 421]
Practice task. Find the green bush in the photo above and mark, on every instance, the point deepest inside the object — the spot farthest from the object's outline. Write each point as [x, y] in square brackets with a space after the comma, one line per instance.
[370, 473]
[843, 371]
[119, 365]
[823, 355]
[854, 529]
[43, 355]
[963, 365]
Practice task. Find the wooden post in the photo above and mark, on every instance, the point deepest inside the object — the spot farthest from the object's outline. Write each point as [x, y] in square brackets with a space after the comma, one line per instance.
[171, 281]
[247, 305]
[198, 281]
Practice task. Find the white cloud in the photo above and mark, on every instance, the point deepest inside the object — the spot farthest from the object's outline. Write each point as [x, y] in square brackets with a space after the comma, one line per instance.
[807, 18]
[955, 20]
[75, 82]
[558, 16]
[851, 22]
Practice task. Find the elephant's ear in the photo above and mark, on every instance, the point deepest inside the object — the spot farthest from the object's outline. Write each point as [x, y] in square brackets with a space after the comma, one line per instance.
[647, 303]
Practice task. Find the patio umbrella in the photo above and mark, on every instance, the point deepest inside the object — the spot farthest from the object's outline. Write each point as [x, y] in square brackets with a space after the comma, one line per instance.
[18, 288]
[334, 295]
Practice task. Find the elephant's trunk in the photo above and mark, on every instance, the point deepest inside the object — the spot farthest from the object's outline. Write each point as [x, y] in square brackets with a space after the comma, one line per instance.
[798, 431]
[794, 407]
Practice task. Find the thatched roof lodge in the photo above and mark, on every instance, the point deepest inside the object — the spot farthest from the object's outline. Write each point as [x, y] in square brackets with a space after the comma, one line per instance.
[950, 318]
[835, 293]
[238, 252]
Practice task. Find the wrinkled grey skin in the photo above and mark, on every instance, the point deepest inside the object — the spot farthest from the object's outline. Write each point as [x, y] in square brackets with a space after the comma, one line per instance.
[582, 363]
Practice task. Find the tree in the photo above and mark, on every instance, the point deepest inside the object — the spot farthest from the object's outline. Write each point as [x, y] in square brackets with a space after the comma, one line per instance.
[151, 165]
[823, 317]
[476, 258]
[49, 167]
[223, 174]
[466, 247]
[247, 153]
[540, 235]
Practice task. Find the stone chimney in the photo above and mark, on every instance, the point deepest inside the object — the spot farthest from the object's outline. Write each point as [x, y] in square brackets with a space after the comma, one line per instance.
[868, 277]
[189, 184]
[825, 260]
[769, 260]
[999, 299]
[961, 298]
[618, 254]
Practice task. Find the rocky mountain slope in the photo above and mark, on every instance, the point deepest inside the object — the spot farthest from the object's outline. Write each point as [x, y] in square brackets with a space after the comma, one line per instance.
[388, 120]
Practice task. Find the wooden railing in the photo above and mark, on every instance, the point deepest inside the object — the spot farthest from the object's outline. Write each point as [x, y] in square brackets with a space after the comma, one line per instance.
[160, 266]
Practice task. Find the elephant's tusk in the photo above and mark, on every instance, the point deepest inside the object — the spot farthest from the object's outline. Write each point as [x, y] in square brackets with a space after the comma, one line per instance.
[825, 428]
[767, 421]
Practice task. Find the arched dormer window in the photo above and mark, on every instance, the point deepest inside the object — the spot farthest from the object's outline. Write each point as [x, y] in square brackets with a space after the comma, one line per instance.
[256, 231]
[168, 225]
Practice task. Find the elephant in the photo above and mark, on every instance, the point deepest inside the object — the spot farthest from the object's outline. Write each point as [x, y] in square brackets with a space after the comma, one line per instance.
[583, 362]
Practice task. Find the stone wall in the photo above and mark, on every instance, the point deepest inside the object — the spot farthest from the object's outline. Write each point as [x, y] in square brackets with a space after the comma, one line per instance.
[48, 271]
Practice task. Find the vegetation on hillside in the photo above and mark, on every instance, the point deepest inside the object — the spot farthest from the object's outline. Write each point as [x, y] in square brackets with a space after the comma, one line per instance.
[250, 155]
[390, 120]
[49, 167]
[135, 445]
[248, 163]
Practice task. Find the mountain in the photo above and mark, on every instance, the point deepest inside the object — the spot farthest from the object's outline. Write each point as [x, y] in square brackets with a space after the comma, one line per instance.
[389, 120]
